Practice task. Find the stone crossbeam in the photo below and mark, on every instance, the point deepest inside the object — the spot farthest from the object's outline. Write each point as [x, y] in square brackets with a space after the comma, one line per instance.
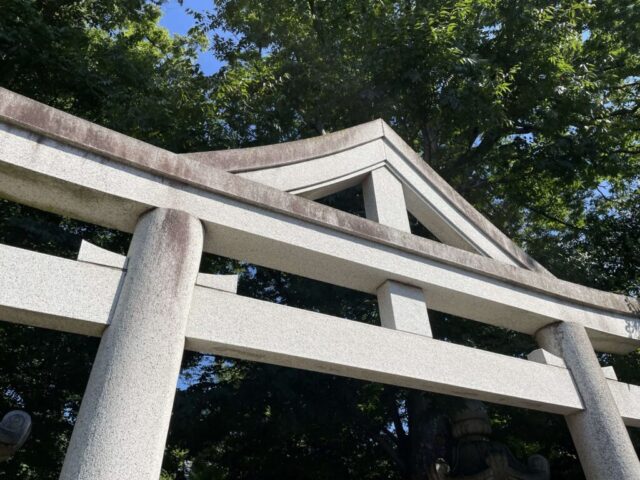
[56, 293]
[76, 296]
[252, 222]
[226, 324]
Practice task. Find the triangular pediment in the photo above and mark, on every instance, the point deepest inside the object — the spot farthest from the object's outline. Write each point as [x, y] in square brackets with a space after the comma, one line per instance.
[324, 165]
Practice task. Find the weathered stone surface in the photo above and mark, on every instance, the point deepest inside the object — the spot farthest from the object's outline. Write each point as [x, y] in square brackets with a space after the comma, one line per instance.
[54, 161]
[598, 433]
[542, 356]
[124, 416]
[384, 200]
[226, 283]
[279, 233]
[36, 117]
[395, 143]
[56, 293]
[403, 307]
[279, 334]
[627, 398]
[36, 272]
[325, 175]
[339, 169]
[225, 324]
[272, 157]
[609, 373]
[289, 153]
[91, 253]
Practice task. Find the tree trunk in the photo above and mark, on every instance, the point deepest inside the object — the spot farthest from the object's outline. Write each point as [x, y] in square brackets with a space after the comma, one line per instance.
[421, 437]
[429, 144]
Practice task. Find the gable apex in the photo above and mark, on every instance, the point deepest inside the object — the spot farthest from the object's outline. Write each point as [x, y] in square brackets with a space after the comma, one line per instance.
[323, 165]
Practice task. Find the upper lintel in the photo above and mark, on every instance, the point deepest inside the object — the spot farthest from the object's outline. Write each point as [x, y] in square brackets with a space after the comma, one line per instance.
[63, 164]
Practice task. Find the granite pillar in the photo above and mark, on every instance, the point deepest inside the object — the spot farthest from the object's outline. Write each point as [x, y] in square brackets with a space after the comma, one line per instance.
[598, 433]
[124, 417]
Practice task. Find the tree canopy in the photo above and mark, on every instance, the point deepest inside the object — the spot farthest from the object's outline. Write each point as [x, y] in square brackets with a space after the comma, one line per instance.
[528, 108]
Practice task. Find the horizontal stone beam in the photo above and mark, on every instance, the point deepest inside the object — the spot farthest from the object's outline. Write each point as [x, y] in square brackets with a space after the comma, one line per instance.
[77, 297]
[230, 325]
[63, 164]
[627, 397]
[56, 293]
[57, 177]
[226, 324]
[93, 254]
[71, 296]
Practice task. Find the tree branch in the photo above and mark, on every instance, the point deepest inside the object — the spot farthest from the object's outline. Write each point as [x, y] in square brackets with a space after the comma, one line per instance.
[391, 450]
[486, 144]
[553, 218]
[626, 85]
[626, 111]
[397, 422]
[429, 146]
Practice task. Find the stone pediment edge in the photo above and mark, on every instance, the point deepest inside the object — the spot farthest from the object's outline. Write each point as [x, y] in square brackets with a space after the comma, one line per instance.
[481, 222]
[289, 153]
[36, 117]
[237, 160]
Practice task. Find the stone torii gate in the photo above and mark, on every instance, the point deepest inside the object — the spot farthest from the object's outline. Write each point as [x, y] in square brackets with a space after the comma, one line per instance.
[257, 205]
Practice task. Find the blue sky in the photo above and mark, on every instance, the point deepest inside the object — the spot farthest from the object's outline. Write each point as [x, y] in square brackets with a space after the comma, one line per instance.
[176, 19]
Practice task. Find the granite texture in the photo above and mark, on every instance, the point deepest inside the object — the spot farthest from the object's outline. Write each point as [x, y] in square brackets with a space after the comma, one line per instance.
[384, 200]
[227, 283]
[91, 253]
[598, 432]
[61, 178]
[272, 157]
[52, 292]
[221, 323]
[282, 334]
[540, 355]
[90, 138]
[124, 416]
[54, 161]
[403, 307]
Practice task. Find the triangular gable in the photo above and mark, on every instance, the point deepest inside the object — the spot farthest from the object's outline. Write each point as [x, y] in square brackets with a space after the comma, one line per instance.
[327, 164]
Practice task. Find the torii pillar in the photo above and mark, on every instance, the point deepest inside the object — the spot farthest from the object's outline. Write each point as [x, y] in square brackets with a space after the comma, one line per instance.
[124, 416]
[598, 432]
